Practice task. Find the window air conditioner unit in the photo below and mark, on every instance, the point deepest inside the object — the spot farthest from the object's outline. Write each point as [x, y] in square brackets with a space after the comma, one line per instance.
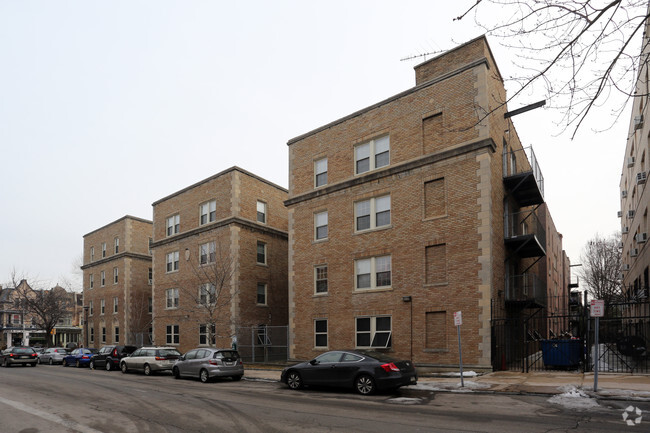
[630, 161]
[630, 214]
[625, 267]
[620, 213]
[625, 230]
[620, 244]
[641, 177]
[641, 237]
[638, 122]
[634, 252]
[624, 193]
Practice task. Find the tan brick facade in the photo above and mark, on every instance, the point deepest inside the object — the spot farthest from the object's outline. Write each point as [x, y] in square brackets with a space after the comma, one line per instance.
[119, 279]
[444, 179]
[221, 211]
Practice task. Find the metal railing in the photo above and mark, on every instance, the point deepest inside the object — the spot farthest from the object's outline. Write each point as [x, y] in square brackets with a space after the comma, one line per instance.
[523, 161]
[526, 287]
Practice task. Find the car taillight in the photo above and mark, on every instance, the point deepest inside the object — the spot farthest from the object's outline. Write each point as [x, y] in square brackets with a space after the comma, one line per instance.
[11, 355]
[160, 358]
[389, 367]
[34, 354]
[213, 362]
[85, 357]
[114, 352]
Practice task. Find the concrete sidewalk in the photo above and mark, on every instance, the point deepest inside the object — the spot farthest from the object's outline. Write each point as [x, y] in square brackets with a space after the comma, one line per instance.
[610, 385]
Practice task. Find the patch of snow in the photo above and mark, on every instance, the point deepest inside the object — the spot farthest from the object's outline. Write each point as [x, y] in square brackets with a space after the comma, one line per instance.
[573, 398]
[457, 374]
[404, 400]
[448, 386]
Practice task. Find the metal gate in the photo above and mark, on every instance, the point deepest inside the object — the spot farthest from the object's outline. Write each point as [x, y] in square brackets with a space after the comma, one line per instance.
[263, 344]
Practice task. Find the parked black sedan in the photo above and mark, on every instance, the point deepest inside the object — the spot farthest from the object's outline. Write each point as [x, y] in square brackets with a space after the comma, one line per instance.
[364, 371]
[18, 355]
[109, 357]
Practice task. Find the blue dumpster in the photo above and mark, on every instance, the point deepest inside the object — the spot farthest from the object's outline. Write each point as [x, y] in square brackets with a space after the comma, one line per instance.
[561, 353]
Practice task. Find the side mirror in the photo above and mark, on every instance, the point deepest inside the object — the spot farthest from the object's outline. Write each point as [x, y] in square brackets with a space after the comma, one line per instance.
[314, 362]
[181, 358]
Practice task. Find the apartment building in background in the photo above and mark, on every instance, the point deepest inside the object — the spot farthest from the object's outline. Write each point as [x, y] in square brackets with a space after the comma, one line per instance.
[117, 281]
[220, 261]
[415, 208]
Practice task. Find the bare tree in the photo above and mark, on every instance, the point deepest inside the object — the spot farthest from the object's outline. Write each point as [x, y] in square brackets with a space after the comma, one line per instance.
[141, 317]
[601, 267]
[581, 52]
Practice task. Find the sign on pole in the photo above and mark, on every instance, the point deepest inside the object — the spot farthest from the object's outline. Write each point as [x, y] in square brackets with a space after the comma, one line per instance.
[458, 320]
[597, 311]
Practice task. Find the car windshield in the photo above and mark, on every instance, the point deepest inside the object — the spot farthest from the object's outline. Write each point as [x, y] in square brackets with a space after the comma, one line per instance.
[23, 350]
[169, 352]
[227, 354]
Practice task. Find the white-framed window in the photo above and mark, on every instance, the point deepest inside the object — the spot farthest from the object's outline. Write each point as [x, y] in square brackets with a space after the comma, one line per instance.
[373, 272]
[116, 335]
[320, 275]
[102, 306]
[150, 276]
[172, 298]
[92, 254]
[91, 310]
[372, 155]
[261, 212]
[173, 225]
[103, 334]
[116, 273]
[102, 278]
[372, 213]
[91, 281]
[92, 335]
[207, 253]
[320, 333]
[320, 172]
[207, 334]
[208, 212]
[373, 332]
[115, 304]
[172, 261]
[320, 225]
[207, 294]
[261, 293]
[116, 243]
[261, 253]
[103, 249]
[173, 334]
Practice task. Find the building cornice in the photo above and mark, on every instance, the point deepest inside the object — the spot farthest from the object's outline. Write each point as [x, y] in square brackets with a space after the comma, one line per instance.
[142, 220]
[119, 256]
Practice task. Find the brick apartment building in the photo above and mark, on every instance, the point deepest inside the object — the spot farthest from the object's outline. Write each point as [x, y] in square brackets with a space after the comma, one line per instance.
[219, 260]
[117, 281]
[409, 210]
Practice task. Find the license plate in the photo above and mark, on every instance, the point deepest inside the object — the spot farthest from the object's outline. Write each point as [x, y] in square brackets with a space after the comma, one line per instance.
[412, 379]
[24, 357]
[229, 364]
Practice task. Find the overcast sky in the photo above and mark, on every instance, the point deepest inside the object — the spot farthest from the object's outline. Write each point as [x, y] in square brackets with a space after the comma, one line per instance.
[108, 106]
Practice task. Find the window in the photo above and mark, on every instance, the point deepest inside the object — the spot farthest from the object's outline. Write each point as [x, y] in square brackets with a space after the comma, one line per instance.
[207, 294]
[102, 306]
[102, 278]
[321, 279]
[207, 253]
[172, 261]
[320, 172]
[320, 333]
[261, 212]
[320, 221]
[115, 304]
[372, 155]
[373, 272]
[150, 276]
[372, 213]
[91, 281]
[90, 308]
[103, 249]
[103, 335]
[92, 335]
[172, 298]
[150, 304]
[261, 294]
[207, 334]
[150, 242]
[374, 332]
[172, 334]
[115, 275]
[92, 254]
[173, 225]
[261, 253]
[117, 245]
[116, 338]
[208, 212]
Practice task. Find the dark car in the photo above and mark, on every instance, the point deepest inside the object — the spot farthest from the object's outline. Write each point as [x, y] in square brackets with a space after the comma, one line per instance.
[366, 372]
[18, 355]
[205, 364]
[52, 355]
[79, 357]
[109, 357]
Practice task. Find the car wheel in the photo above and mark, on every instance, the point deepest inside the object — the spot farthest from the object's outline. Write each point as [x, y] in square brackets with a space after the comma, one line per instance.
[147, 370]
[109, 365]
[78, 364]
[91, 365]
[176, 373]
[236, 378]
[124, 368]
[294, 380]
[364, 384]
[50, 362]
[204, 376]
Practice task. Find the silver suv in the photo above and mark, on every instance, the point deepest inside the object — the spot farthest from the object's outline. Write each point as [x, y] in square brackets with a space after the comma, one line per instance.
[209, 363]
[150, 359]
[53, 355]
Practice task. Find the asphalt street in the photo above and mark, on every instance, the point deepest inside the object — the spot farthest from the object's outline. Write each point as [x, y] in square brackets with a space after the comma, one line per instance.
[57, 399]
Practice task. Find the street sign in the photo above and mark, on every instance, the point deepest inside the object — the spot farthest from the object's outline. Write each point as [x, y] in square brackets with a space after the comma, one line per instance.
[458, 318]
[597, 308]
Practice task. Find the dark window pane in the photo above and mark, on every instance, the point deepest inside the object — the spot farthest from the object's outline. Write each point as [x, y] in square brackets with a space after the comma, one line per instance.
[261, 217]
[321, 340]
[381, 339]
[363, 281]
[363, 339]
[321, 232]
[321, 179]
[381, 159]
[383, 323]
[383, 218]
[321, 286]
[363, 165]
[383, 278]
[321, 326]
[363, 324]
[363, 222]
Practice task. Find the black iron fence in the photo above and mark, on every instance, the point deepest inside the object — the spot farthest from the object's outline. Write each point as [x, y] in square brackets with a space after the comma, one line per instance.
[263, 344]
[533, 339]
